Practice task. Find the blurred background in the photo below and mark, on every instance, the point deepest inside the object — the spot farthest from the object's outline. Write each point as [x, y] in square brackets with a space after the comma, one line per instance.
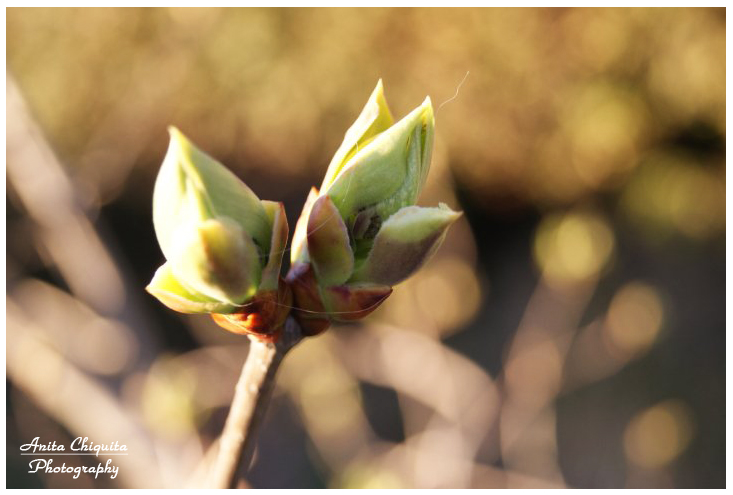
[570, 332]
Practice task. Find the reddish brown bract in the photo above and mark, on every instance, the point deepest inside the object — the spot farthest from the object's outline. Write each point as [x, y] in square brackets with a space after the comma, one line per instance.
[263, 317]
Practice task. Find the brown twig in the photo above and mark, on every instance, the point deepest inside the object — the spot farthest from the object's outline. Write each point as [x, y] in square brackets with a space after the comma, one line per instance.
[251, 396]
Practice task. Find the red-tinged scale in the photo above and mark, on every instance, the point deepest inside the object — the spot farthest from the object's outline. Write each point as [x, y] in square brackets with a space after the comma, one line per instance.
[263, 317]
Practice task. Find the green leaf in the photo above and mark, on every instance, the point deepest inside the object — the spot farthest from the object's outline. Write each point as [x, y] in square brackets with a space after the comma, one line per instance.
[328, 244]
[404, 243]
[279, 226]
[299, 245]
[218, 259]
[173, 294]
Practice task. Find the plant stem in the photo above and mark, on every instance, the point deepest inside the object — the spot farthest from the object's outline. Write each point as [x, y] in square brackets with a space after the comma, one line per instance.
[251, 396]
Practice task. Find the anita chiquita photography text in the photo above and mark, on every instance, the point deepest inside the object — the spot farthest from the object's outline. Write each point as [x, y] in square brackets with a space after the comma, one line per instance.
[338, 248]
[41, 452]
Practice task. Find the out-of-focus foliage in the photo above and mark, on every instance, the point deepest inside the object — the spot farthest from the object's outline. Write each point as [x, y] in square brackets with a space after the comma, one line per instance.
[569, 332]
[559, 103]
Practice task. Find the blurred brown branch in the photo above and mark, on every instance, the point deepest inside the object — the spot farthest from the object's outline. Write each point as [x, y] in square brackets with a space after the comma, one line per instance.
[76, 400]
[47, 326]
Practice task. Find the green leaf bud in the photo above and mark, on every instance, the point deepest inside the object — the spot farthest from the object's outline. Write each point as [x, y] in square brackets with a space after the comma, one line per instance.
[361, 234]
[387, 172]
[191, 186]
[222, 244]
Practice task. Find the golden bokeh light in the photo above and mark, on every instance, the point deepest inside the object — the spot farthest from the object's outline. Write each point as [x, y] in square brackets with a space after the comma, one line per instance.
[658, 435]
[364, 475]
[634, 319]
[330, 401]
[686, 74]
[604, 124]
[573, 247]
[674, 193]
